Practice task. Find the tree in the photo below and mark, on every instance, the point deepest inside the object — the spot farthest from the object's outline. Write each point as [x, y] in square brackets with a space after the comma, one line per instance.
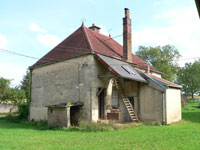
[163, 58]
[4, 89]
[189, 77]
[16, 95]
[8, 94]
[25, 84]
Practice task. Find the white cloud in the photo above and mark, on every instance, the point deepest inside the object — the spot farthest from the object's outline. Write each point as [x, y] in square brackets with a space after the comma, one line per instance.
[12, 71]
[45, 39]
[104, 30]
[34, 27]
[48, 39]
[3, 42]
[182, 30]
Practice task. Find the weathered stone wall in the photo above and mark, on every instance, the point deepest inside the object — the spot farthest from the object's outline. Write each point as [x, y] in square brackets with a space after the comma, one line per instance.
[173, 105]
[58, 116]
[66, 81]
[6, 108]
[151, 105]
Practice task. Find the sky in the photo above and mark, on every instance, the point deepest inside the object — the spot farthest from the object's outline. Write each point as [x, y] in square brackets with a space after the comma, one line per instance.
[34, 27]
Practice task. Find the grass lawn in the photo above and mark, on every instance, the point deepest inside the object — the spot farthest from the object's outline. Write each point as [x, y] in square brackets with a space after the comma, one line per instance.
[184, 135]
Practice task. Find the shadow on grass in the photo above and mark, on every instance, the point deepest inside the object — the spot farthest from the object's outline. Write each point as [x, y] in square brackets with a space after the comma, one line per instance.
[191, 116]
[15, 123]
[198, 107]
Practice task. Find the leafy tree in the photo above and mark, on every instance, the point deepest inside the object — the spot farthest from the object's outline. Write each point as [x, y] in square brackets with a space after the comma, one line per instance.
[4, 89]
[8, 94]
[16, 95]
[189, 78]
[163, 58]
[25, 84]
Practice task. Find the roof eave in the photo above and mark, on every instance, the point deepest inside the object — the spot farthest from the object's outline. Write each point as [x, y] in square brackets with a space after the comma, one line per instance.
[53, 62]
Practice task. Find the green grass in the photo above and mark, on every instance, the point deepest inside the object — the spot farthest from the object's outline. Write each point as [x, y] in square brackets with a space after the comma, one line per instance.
[184, 135]
[4, 113]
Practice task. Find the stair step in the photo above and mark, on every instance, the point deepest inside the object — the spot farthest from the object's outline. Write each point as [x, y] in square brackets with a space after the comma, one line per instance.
[134, 117]
[126, 101]
[130, 110]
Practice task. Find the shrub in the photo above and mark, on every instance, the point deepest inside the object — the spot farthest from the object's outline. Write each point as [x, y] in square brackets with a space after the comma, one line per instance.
[23, 111]
[12, 117]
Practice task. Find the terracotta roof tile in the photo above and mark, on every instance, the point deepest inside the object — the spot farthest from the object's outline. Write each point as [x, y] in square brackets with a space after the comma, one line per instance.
[166, 82]
[85, 40]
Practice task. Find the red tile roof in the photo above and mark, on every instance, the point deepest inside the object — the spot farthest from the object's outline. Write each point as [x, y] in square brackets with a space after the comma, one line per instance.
[83, 41]
[163, 81]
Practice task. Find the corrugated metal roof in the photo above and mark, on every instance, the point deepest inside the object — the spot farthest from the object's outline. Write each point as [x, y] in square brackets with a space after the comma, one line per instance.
[120, 68]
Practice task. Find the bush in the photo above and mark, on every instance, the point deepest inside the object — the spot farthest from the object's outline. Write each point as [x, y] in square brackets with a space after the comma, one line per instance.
[12, 117]
[23, 111]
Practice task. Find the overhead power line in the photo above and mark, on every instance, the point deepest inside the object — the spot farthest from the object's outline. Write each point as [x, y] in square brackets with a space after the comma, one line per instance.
[50, 59]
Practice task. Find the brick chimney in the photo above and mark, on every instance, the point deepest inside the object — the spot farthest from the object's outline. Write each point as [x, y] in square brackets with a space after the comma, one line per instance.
[127, 39]
[94, 28]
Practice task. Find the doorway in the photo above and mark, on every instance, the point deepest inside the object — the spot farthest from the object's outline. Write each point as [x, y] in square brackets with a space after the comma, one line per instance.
[101, 103]
[131, 99]
[75, 115]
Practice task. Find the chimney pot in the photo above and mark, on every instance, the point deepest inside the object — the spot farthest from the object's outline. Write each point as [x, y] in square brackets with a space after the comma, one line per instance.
[95, 28]
[127, 12]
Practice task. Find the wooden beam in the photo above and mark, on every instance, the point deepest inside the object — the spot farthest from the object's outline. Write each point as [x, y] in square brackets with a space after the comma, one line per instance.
[105, 76]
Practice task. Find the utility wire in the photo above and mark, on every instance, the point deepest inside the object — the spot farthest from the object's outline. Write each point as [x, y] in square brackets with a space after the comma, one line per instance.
[113, 37]
[50, 59]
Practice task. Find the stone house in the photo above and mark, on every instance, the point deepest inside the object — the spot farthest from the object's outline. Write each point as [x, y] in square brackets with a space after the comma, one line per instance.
[89, 76]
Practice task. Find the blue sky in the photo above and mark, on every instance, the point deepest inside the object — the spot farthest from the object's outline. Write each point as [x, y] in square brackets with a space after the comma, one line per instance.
[34, 27]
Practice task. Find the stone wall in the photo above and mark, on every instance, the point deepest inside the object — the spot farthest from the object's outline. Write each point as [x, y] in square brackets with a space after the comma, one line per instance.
[6, 108]
[58, 116]
[151, 105]
[67, 81]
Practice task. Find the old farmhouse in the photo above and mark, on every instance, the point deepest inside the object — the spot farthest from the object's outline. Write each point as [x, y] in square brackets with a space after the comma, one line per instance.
[89, 76]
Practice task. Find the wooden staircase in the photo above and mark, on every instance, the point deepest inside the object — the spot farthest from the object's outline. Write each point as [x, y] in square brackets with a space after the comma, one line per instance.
[130, 110]
[126, 101]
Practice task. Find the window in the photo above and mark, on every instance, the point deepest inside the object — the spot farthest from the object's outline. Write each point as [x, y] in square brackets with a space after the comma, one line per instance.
[129, 70]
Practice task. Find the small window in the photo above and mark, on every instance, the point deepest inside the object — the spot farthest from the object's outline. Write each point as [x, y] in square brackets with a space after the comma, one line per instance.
[128, 69]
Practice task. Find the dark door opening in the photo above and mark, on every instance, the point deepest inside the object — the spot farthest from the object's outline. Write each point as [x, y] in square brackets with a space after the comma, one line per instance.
[75, 115]
[131, 99]
[101, 101]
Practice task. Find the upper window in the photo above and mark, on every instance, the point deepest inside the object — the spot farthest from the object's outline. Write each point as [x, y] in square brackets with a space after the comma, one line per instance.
[128, 69]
